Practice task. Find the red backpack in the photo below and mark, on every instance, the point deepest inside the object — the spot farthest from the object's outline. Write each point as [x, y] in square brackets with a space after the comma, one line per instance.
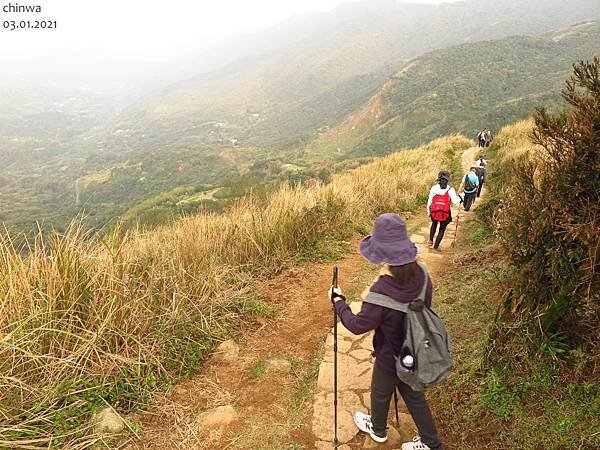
[440, 207]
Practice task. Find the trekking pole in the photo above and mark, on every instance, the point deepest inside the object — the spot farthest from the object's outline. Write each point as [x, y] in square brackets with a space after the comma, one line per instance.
[334, 284]
[456, 227]
[396, 405]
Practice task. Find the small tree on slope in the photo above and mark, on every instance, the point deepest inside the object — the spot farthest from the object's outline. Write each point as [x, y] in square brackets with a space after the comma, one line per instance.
[551, 223]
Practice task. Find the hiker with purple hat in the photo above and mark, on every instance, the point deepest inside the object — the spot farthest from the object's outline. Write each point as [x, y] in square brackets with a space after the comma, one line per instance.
[404, 280]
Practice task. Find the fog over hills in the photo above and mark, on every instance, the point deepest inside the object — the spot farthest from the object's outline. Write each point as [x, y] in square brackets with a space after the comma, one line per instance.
[319, 79]
[272, 96]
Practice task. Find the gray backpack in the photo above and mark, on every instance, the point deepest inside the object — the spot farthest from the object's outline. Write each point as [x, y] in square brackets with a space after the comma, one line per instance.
[427, 340]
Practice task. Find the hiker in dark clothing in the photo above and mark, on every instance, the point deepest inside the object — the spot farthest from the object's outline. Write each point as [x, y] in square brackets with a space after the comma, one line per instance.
[470, 184]
[487, 138]
[438, 208]
[403, 281]
[480, 166]
[481, 137]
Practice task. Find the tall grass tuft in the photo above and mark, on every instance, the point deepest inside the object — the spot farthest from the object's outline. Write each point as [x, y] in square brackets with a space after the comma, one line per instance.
[88, 321]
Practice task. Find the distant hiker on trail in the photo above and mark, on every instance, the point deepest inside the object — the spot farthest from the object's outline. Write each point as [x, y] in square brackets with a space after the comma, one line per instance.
[470, 185]
[438, 208]
[405, 281]
[480, 167]
[480, 138]
[487, 138]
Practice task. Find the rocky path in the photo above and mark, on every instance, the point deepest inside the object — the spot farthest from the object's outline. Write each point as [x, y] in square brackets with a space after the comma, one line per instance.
[355, 362]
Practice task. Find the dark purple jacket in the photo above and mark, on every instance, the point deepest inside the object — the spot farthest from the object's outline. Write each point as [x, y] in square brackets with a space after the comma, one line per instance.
[386, 322]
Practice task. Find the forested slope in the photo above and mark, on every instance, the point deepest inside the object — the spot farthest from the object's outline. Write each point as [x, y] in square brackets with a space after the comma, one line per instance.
[465, 88]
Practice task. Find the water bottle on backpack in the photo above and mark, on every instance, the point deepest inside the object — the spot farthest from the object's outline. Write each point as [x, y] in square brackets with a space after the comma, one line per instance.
[407, 362]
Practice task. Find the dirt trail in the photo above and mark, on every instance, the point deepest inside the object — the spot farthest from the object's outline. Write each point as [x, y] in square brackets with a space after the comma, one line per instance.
[269, 406]
[355, 364]
[469, 157]
[277, 409]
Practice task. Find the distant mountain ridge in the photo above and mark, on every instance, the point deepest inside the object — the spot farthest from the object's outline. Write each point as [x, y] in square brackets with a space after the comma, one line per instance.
[463, 89]
[316, 81]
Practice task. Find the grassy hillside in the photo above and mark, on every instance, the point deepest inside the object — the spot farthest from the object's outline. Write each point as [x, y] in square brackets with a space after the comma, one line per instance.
[84, 323]
[464, 88]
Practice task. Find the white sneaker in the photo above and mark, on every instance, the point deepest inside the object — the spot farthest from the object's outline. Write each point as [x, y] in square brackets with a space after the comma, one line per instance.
[363, 422]
[416, 444]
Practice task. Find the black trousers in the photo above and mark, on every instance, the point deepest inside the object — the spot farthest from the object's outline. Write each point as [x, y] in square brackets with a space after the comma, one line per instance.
[382, 389]
[481, 180]
[469, 199]
[440, 236]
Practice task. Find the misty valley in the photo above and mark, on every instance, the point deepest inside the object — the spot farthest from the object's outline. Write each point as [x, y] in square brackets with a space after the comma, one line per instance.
[363, 86]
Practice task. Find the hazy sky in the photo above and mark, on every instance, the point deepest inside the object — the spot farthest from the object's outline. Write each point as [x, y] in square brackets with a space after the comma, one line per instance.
[144, 31]
[148, 28]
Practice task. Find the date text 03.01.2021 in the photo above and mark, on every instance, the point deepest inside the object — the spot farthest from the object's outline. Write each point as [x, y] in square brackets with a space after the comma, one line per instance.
[12, 25]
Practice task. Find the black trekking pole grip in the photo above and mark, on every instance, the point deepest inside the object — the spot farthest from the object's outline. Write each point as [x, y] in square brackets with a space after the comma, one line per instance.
[334, 283]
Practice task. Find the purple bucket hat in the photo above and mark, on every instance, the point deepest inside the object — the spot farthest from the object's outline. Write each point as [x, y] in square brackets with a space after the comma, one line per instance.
[389, 242]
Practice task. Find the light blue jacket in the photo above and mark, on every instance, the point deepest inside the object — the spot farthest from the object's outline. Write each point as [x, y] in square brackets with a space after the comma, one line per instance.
[474, 180]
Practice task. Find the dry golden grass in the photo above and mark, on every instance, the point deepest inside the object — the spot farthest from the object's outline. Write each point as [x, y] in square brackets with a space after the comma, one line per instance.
[86, 321]
[514, 141]
[515, 147]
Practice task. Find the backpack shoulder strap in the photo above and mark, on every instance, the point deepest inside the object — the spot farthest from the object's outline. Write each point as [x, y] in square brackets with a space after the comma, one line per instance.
[385, 301]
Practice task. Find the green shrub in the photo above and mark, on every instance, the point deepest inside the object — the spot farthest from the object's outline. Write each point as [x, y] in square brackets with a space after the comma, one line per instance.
[550, 223]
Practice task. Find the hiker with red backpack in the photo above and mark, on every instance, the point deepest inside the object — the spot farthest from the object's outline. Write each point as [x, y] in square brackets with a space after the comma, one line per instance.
[404, 292]
[439, 208]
